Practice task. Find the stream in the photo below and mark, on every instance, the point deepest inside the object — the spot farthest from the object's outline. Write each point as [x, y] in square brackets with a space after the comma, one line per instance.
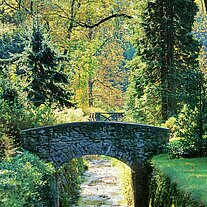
[101, 187]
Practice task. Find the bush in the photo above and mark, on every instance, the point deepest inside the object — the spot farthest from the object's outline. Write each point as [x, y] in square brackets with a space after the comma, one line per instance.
[21, 180]
[71, 177]
[188, 135]
[188, 148]
[165, 193]
[15, 117]
[66, 115]
[6, 146]
[178, 182]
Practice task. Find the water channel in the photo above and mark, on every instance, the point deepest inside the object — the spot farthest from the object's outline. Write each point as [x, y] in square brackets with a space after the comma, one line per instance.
[101, 186]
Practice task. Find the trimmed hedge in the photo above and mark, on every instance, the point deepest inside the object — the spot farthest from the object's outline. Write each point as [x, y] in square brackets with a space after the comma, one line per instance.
[166, 186]
[165, 193]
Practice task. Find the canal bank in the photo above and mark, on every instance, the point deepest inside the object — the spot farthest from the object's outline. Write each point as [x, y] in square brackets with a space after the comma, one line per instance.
[178, 182]
[173, 183]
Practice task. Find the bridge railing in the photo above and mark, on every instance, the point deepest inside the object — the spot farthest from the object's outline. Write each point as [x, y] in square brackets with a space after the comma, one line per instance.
[107, 116]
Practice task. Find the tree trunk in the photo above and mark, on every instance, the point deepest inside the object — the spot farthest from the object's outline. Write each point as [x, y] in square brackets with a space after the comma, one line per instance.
[90, 93]
[163, 69]
[205, 2]
[171, 94]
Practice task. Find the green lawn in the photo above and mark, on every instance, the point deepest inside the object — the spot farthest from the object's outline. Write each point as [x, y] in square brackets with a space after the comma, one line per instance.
[189, 174]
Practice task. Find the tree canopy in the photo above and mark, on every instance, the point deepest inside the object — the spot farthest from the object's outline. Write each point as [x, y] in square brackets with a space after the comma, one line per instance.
[142, 57]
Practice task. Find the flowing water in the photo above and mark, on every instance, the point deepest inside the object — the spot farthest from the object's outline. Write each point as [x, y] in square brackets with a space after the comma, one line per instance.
[101, 187]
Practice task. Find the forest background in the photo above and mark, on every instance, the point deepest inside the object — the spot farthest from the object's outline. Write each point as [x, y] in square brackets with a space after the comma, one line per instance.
[145, 58]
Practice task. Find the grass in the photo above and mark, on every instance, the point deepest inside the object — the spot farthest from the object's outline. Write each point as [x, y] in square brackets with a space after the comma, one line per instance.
[189, 174]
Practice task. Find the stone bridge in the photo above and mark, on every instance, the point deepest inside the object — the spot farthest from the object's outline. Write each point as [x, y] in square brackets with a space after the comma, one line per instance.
[133, 144]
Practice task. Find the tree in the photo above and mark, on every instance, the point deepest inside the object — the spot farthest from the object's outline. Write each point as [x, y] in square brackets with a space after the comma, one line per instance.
[90, 59]
[46, 79]
[191, 122]
[82, 31]
[205, 2]
[166, 53]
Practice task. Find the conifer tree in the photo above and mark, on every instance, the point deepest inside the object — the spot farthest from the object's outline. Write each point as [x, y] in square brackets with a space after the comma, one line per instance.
[46, 79]
[163, 71]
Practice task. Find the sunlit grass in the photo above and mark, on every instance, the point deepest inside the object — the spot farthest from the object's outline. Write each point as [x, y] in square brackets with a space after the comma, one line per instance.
[189, 174]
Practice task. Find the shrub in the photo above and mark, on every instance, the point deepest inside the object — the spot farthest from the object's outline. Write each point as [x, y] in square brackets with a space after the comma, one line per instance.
[21, 180]
[188, 135]
[178, 182]
[69, 115]
[125, 178]
[165, 192]
[15, 117]
[71, 177]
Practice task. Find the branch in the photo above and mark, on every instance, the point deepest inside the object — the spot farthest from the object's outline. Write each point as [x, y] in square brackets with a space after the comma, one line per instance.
[61, 10]
[16, 8]
[70, 28]
[2, 2]
[96, 53]
[83, 24]
[205, 2]
[9, 5]
[107, 86]
[9, 60]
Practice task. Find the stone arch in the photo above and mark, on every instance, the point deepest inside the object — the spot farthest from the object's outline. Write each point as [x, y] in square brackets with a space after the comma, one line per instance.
[130, 143]
[119, 158]
[124, 141]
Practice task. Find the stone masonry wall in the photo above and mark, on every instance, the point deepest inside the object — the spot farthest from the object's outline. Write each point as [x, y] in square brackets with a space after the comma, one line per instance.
[124, 141]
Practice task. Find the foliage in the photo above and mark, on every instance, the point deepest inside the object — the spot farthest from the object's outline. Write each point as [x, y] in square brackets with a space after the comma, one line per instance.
[71, 177]
[165, 193]
[21, 180]
[80, 31]
[189, 140]
[15, 115]
[165, 79]
[7, 147]
[178, 182]
[29, 54]
[66, 115]
[29, 116]
[125, 179]
[190, 126]
[161, 77]
[41, 65]
[170, 124]
[10, 45]
[99, 78]
[18, 117]
[95, 40]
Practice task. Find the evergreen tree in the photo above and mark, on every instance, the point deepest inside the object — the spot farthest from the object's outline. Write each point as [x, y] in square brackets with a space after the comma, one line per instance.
[162, 73]
[45, 76]
[10, 45]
